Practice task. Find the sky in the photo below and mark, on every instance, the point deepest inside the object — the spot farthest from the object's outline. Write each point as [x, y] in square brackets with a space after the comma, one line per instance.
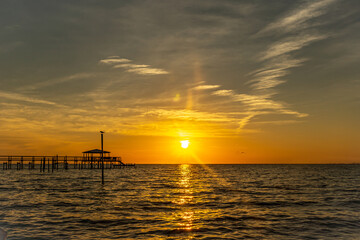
[244, 81]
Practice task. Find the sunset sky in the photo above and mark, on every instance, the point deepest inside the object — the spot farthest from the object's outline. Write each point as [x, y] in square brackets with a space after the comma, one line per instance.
[244, 81]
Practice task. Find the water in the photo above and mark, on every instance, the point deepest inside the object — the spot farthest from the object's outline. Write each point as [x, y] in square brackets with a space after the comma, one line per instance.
[183, 202]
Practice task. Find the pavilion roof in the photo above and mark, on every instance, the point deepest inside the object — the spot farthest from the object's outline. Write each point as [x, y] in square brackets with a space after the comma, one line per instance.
[95, 151]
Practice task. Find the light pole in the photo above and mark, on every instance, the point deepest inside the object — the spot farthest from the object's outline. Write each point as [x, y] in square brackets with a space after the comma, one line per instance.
[102, 157]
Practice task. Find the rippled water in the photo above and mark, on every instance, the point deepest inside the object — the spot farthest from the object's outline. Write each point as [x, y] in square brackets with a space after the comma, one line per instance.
[183, 202]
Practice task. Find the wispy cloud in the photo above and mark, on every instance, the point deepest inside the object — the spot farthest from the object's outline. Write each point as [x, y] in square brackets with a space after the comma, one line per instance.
[51, 82]
[298, 18]
[114, 60]
[186, 114]
[206, 87]
[23, 98]
[257, 103]
[147, 71]
[224, 93]
[244, 121]
[289, 45]
[279, 64]
[277, 61]
[271, 75]
[279, 56]
[141, 69]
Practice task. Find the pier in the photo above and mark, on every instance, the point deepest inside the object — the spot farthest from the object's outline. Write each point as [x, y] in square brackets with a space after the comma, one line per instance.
[89, 160]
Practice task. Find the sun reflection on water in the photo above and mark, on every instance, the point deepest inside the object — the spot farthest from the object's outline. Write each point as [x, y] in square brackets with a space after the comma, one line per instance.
[185, 216]
[186, 222]
[191, 191]
[186, 192]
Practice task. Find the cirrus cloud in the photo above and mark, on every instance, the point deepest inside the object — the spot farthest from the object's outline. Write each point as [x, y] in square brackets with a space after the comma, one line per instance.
[141, 69]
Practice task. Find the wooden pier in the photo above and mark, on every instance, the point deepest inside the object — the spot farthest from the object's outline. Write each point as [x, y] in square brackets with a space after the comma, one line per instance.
[51, 163]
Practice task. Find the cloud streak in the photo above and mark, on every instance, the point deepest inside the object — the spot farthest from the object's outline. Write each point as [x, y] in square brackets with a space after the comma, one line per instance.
[206, 87]
[289, 45]
[114, 60]
[19, 97]
[256, 103]
[277, 61]
[279, 58]
[51, 82]
[297, 19]
[186, 114]
[141, 69]
[271, 75]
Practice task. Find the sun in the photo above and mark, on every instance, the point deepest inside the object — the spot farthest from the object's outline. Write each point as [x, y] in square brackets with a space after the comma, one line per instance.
[185, 144]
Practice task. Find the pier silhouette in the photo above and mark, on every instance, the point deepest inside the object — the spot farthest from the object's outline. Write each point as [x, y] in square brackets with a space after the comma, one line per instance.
[89, 160]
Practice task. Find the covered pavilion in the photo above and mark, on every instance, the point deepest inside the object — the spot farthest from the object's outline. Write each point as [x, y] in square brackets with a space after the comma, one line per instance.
[95, 153]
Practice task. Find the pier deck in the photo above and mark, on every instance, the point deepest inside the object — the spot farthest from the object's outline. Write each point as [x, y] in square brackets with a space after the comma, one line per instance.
[51, 163]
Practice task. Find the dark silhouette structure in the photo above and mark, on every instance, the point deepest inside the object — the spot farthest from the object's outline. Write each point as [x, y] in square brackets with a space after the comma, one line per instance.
[87, 161]
[102, 156]
[95, 152]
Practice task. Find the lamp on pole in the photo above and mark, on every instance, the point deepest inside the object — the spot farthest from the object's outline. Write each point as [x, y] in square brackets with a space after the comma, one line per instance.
[102, 157]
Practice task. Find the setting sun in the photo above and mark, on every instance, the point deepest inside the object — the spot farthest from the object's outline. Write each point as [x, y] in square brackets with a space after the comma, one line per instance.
[185, 143]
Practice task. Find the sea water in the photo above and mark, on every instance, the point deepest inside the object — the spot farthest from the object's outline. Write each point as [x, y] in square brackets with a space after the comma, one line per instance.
[183, 202]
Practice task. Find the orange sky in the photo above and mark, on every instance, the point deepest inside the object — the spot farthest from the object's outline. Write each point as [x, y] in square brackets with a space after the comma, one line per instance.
[244, 82]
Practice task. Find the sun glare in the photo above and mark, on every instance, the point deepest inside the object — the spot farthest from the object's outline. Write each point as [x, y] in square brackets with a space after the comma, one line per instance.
[185, 144]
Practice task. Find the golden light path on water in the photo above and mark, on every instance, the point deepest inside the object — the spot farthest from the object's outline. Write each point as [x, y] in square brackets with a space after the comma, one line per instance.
[193, 191]
[189, 156]
[186, 216]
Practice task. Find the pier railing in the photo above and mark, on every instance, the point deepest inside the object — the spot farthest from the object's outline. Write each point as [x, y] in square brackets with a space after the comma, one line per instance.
[63, 162]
